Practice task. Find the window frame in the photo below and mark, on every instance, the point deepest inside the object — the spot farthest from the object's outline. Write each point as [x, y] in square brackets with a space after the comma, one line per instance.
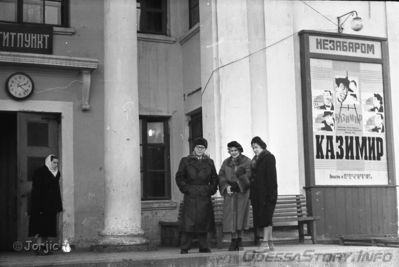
[144, 168]
[64, 14]
[163, 11]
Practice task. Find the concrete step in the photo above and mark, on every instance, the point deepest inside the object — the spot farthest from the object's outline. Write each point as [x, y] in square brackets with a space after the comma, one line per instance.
[284, 255]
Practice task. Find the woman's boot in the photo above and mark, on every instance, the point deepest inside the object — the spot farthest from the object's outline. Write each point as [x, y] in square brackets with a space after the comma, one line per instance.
[271, 245]
[263, 245]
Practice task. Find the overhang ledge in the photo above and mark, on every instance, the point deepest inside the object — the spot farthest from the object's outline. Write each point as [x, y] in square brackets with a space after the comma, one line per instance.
[84, 65]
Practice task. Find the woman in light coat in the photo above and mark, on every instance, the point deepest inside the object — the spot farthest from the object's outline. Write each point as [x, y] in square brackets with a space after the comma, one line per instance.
[234, 187]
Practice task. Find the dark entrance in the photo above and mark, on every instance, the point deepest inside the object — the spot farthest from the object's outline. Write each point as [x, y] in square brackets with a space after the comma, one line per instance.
[25, 140]
[195, 127]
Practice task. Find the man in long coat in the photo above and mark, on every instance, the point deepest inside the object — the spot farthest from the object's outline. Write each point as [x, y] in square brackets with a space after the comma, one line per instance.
[197, 180]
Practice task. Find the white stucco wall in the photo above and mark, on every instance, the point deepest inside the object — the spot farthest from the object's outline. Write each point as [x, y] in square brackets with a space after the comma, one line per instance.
[232, 32]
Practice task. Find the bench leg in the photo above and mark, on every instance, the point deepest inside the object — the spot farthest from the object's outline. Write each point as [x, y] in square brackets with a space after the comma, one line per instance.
[301, 232]
[312, 229]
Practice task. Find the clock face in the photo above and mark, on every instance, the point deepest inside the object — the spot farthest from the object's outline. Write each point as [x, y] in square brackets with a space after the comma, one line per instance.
[19, 85]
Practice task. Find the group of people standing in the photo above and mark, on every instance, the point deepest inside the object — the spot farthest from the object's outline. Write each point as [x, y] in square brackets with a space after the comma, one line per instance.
[241, 181]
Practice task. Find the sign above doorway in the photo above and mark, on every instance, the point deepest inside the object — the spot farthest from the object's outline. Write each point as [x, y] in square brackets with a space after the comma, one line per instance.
[26, 38]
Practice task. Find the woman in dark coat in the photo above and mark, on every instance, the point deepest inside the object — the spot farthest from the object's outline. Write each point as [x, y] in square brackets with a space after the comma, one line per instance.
[263, 191]
[197, 180]
[45, 201]
[234, 187]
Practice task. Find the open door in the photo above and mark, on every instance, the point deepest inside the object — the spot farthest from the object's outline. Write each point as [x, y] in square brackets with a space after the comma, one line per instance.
[8, 181]
[38, 136]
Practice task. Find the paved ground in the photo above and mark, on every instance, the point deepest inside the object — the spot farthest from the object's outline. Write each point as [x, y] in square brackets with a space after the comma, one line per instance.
[284, 255]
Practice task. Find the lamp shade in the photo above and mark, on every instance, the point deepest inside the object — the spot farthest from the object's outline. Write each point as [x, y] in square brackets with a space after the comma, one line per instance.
[357, 23]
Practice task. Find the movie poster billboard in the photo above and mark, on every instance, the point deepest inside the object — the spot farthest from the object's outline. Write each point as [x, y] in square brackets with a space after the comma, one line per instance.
[348, 117]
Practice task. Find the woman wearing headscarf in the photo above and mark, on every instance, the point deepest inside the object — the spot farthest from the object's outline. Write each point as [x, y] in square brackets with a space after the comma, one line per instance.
[45, 202]
[197, 180]
[234, 187]
[263, 192]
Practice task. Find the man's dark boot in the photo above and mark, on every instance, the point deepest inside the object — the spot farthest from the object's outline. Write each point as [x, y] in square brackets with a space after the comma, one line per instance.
[239, 244]
[233, 244]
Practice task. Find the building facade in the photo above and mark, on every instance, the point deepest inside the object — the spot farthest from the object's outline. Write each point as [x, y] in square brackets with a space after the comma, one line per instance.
[120, 94]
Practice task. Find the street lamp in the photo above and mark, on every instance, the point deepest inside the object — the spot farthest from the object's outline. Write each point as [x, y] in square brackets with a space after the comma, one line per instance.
[356, 24]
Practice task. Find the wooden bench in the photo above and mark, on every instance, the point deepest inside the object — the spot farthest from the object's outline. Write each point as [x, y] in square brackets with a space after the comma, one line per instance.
[290, 211]
[170, 230]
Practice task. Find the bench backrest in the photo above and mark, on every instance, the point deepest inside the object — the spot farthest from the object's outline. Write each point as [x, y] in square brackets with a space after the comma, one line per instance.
[288, 208]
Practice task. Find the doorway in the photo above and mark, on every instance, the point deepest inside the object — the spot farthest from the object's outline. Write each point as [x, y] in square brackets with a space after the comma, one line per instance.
[26, 140]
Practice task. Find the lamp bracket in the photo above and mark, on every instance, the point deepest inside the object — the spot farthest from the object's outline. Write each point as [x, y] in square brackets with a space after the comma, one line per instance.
[340, 24]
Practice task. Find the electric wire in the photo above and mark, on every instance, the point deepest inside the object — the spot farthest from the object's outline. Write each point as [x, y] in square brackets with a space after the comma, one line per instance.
[321, 14]
[261, 49]
[244, 57]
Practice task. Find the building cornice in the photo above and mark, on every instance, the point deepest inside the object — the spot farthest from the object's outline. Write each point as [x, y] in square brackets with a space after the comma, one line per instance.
[84, 65]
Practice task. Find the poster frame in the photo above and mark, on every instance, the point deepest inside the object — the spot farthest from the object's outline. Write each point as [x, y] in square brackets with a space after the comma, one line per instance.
[306, 56]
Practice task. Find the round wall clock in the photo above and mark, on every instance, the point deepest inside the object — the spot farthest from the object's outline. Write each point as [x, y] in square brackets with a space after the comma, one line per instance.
[19, 85]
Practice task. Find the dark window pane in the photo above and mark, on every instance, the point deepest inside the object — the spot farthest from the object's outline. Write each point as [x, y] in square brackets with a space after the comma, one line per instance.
[196, 129]
[141, 131]
[156, 157]
[37, 134]
[151, 22]
[156, 182]
[157, 4]
[8, 10]
[195, 126]
[194, 16]
[142, 184]
[141, 158]
[193, 3]
[33, 164]
[194, 12]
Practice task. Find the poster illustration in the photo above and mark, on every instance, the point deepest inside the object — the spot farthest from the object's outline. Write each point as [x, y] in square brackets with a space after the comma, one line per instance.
[348, 123]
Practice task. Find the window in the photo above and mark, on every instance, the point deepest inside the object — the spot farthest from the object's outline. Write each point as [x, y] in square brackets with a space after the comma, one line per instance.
[154, 158]
[49, 12]
[195, 127]
[151, 16]
[193, 12]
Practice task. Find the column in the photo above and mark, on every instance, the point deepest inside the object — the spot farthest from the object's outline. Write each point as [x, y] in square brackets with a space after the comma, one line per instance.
[225, 76]
[122, 214]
